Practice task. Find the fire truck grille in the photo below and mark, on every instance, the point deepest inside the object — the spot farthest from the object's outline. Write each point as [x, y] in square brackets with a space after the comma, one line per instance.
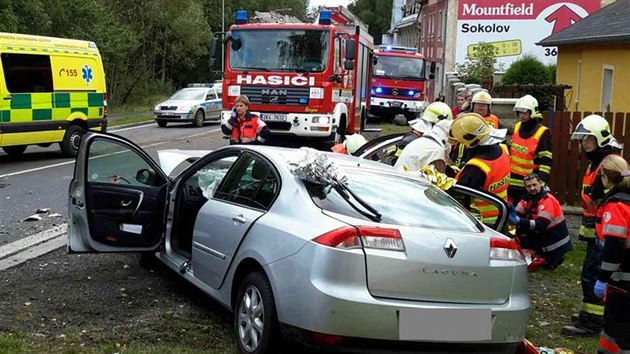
[279, 125]
[285, 96]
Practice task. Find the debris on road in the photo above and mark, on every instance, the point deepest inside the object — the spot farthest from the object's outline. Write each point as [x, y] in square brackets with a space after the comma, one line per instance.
[33, 217]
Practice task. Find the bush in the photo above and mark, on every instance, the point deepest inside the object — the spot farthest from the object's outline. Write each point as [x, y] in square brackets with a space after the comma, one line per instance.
[551, 70]
[527, 70]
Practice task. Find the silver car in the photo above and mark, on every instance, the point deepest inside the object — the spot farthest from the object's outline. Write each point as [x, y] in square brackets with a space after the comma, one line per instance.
[197, 103]
[383, 258]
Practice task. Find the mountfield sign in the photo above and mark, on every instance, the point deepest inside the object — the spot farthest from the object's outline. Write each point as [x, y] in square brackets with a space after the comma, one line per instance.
[514, 27]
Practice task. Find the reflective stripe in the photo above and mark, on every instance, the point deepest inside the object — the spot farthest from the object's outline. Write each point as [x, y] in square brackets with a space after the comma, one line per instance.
[544, 168]
[227, 125]
[607, 344]
[548, 154]
[558, 244]
[597, 310]
[540, 132]
[520, 209]
[545, 215]
[517, 182]
[532, 225]
[614, 230]
[610, 266]
[560, 219]
[483, 166]
[587, 232]
[526, 171]
[260, 139]
[523, 161]
[625, 276]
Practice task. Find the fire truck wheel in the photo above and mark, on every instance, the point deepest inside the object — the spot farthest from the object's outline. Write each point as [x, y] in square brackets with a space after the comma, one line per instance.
[400, 120]
[340, 134]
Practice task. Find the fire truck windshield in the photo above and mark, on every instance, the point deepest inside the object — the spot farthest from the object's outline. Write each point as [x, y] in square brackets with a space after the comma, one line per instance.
[399, 68]
[279, 50]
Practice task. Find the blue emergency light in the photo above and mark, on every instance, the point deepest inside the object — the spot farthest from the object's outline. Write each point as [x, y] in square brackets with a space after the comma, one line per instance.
[390, 48]
[410, 92]
[241, 17]
[324, 17]
[379, 90]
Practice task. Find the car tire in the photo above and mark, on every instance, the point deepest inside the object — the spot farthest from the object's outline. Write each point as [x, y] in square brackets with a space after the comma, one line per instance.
[410, 115]
[71, 140]
[14, 150]
[255, 317]
[401, 120]
[200, 117]
[161, 123]
[340, 134]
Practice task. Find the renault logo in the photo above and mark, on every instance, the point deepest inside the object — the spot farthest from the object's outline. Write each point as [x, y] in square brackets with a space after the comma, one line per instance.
[395, 92]
[450, 248]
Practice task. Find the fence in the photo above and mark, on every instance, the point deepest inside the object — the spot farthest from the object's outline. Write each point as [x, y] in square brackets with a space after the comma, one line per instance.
[568, 164]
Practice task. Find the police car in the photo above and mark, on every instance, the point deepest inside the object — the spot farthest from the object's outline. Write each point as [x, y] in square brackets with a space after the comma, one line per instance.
[196, 103]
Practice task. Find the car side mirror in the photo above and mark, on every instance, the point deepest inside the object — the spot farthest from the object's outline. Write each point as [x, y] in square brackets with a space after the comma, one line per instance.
[348, 65]
[350, 54]
[146, 176]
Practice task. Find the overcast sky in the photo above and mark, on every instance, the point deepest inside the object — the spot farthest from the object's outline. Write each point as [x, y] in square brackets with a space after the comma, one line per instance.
[316, 3]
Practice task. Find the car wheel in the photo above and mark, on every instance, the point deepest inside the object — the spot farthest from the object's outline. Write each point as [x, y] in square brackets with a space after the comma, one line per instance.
[340, 133]
[14, 150]
[71, 140]
[161, 123]
[410, 115]
[199, 118]
[255, 317]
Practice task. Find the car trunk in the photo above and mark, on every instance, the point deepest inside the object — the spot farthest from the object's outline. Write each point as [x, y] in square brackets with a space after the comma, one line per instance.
[425, 272]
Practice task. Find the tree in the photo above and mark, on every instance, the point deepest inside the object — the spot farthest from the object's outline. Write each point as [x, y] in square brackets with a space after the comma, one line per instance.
[481, 66]
[527, 70]
[374, 13]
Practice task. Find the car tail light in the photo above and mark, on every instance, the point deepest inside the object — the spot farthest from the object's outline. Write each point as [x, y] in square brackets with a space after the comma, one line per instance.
[349, 237]
[105, 109]
[327, 339]
[504, 249]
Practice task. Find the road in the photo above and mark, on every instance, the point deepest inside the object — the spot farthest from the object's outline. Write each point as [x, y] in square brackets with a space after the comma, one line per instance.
[39, 178]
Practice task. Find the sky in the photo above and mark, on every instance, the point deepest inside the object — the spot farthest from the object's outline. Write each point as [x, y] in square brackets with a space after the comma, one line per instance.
[317, 3]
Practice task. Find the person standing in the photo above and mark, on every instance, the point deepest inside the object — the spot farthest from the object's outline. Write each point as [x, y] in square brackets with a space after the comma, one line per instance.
[530, 148]
[613, 279]
[243, 127]
[481, 103]
[461, 98]
[488, 168]
[597, 142]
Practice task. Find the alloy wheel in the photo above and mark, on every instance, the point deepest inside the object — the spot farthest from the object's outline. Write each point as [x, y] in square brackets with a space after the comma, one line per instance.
[251, 319]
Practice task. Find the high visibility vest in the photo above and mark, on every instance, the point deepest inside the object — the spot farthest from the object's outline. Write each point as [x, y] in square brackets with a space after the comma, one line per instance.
[497, 173]
[246, 131]
[340, 148]
[589, 215]
[492, 120]
[522, 153]
[613, 221]
[556, 240]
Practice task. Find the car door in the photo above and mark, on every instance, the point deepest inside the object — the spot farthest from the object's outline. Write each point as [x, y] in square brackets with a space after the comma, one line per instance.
[381, 149]
[464, 195]
[117, 197]
[212, 104]
[245, 194]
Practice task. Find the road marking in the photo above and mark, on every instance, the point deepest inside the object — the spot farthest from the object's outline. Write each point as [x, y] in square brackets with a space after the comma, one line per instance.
[21, 244]
[71, 162]
[130, 128]
[33, 252]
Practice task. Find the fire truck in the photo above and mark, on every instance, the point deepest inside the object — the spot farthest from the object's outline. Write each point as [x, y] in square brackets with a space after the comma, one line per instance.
[398, 82]
[303, 79]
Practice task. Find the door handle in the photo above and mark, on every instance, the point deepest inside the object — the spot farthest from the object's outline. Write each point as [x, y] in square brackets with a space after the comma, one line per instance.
[239, 218]
[125, 203]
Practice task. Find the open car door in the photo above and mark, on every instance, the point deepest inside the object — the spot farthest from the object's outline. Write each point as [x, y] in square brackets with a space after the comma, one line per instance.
[381, 149]
[465, 194]
[117, 198]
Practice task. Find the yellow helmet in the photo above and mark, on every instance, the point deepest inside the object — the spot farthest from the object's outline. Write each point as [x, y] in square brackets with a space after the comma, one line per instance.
[354, 142]
[526, 103]
[436, 112]
[594, 125]
[470, 129]
[482, 97]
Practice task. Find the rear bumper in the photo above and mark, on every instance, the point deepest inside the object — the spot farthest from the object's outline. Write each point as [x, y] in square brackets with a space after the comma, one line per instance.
[328, 294]
[173, 116]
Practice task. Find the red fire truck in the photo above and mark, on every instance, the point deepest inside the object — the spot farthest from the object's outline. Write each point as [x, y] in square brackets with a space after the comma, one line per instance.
[398, 82]
[303, 79]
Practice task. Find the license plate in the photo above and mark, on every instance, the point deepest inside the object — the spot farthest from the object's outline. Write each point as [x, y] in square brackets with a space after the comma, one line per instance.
[445, 324]
[274, 117]
[168, 113]
[395, 104]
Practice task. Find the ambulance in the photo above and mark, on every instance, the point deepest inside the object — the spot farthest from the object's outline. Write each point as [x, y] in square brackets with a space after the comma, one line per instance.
[52, 90]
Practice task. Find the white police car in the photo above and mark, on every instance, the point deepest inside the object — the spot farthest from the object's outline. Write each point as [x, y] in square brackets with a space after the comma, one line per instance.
[197, 103]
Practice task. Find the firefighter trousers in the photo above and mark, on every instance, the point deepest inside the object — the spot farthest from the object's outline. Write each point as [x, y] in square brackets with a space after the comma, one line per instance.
[591, 315]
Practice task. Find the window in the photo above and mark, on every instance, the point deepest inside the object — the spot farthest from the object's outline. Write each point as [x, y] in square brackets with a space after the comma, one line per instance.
[27, 73]
[208, 178]
[193, 94]
[607, 88]
[218, 93]
[211, 95]
[252, 183]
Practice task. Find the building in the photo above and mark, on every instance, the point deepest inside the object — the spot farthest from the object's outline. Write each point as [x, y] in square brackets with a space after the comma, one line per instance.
[593, 56]
[405, 28]
[433, 39]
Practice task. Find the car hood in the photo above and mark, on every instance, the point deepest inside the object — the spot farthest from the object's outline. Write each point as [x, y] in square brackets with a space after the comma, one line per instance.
[171, 158]
[179, 103]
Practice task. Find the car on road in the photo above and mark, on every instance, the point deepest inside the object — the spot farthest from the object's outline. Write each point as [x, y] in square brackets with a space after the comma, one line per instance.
[370, 258]
[197, 103]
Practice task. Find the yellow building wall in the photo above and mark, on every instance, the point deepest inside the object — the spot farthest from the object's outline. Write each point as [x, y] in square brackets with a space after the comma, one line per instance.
[582, 67]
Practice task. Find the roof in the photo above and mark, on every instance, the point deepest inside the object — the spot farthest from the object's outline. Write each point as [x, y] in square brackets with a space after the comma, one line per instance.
[29, 41]
[609, 24]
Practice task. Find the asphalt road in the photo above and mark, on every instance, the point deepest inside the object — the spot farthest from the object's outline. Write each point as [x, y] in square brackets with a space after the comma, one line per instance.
[39, 178]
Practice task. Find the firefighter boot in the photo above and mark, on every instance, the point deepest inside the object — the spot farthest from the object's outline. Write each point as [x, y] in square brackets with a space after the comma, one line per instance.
[585, 325]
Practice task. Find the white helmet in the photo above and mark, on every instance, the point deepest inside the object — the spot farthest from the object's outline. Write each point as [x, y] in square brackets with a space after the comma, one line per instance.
[526, 103]
[354, 142]
[597, 126]
[436, 112]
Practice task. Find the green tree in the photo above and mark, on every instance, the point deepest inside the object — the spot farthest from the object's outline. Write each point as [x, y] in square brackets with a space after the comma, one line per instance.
[481, 66]
[527, 70]
[374, 13]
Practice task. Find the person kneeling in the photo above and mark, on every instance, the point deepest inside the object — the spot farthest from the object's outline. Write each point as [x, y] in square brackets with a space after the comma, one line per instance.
[540, 223]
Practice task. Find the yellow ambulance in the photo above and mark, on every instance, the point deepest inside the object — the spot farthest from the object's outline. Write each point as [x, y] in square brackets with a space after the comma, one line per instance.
[52, 90]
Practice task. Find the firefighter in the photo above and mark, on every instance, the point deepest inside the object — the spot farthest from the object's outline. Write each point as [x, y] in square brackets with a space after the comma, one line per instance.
[350, 145]
[613, 279]
[530, 149]
[430, 149]
[489, 166]
[540, 223]
[434, 113]
[481, 102]
[244, 127]
[596, 142]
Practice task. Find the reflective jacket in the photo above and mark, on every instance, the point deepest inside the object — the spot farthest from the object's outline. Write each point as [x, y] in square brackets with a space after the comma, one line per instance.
[543, 223]
[339, 148]
[492, 120]
[523, 155]
[613, 228]
[247, 130]
[497, 181]
[587, 229]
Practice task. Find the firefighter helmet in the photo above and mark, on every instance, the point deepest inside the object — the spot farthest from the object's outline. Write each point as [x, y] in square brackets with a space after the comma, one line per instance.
[354, 142]
[526, 103]
[470, 129]
[594, 125]
[436, 112]
[482, 97]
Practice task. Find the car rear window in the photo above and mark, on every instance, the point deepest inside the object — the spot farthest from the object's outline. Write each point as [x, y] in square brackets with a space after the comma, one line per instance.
[189, 94]
[400, 200]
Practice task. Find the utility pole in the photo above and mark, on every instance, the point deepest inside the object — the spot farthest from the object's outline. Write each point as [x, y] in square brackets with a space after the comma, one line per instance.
[222, 37]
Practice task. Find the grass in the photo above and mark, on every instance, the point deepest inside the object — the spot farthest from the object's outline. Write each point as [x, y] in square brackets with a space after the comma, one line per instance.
[130, 119]
[145, 105]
